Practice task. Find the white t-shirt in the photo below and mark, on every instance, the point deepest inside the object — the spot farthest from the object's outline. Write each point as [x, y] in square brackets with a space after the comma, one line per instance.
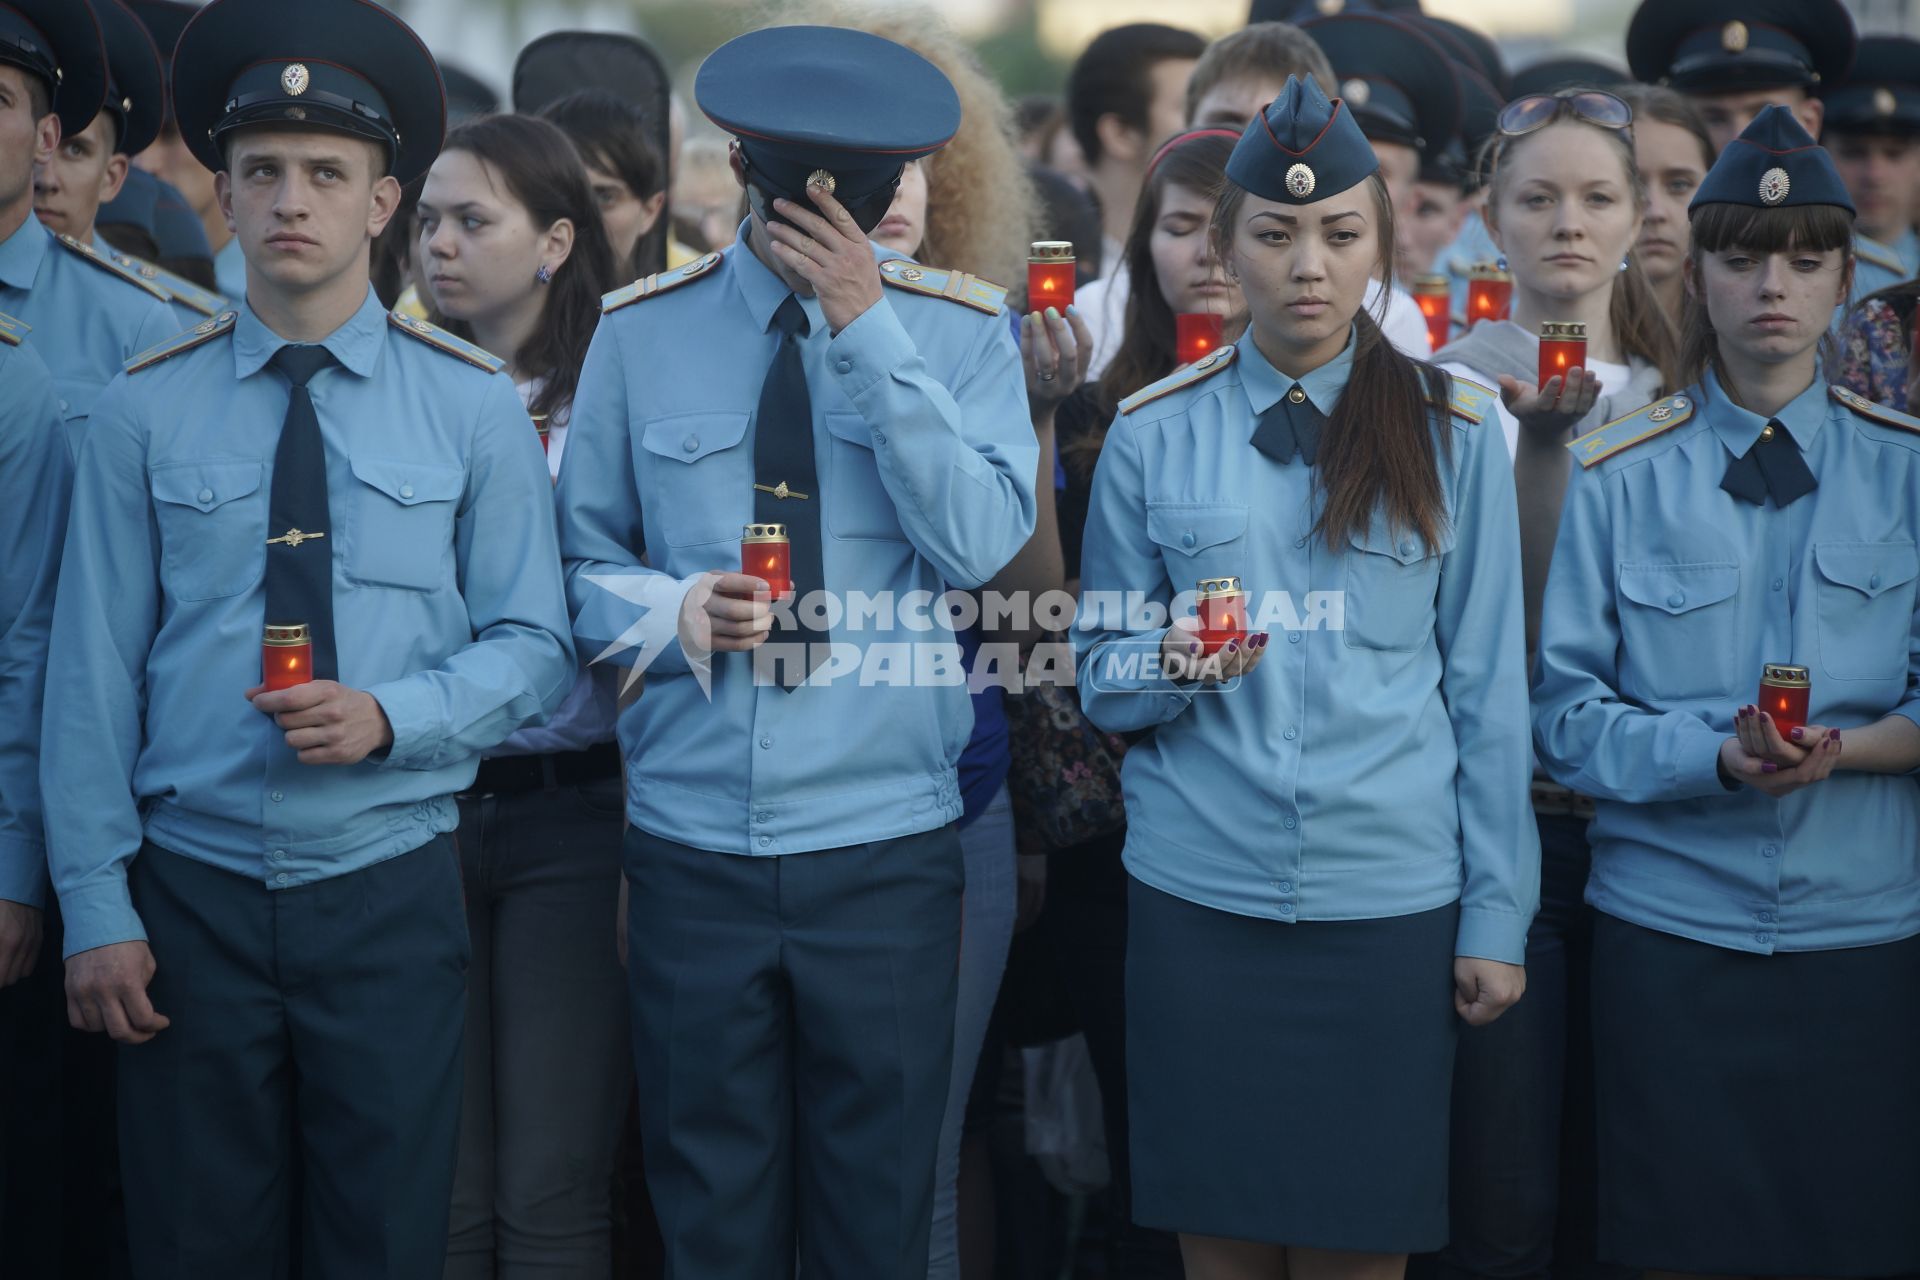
[1102, 305]
[1404, 326]
[1610, 375]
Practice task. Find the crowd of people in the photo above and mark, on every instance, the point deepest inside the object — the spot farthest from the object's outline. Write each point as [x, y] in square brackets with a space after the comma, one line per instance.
[571, 698]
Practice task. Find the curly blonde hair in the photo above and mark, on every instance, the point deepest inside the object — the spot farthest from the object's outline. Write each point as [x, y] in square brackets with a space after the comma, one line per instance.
[982, 209]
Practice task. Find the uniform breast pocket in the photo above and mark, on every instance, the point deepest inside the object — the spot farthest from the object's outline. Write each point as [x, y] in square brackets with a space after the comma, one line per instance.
[1679, 627]
[858, 504]
[1392, 579]
[1866, 601]
[402, 522]
[697, 481]
[212, 518]
[1200, 540]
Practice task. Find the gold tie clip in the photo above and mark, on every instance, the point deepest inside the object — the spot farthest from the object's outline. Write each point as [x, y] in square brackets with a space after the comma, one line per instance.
[780, 490]
[293, 537]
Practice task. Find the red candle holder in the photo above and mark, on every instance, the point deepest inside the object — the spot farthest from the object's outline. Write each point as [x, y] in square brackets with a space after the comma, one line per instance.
[1434, 294]
[1784, 693]
[1195, 334]
[765, 553]
[1489, 294]
[1563, 348]
[1050, 275]
[286, 655]
[1223, 613]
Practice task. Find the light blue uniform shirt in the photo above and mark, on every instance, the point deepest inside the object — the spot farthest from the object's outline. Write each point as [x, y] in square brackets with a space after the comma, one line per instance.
[1877, 265]
[448, 608]
[1666, 598]
[87, 319]
[926, 457]
[1375, 763]
[34, 481]
[230, 270]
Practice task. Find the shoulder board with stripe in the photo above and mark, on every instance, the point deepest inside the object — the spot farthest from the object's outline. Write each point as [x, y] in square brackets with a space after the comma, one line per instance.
[181, 290]
[1883, 414]
[205, 331]
[938, 282]
[1471, 400]
[1643, 423]
[108, 265]
[441, 340]
[1869, 250]
[13, 332]
[658, 283]
[1200, 369]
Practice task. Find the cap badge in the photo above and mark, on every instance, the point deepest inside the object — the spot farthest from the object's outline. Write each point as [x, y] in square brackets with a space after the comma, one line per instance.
[1356, 91]
[1733, 37]
[1661, 413]
[1330, 7]
[295, 79]
[1300, 181]
[1884, 103]
[1774, 185]
[821, 178]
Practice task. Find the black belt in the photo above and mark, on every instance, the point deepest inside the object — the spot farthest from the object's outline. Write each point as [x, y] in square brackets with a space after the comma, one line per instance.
[546, 772]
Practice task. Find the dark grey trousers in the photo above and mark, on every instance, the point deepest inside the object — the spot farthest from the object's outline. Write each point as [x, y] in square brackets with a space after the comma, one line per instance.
[306, 1097]
[793, 1033]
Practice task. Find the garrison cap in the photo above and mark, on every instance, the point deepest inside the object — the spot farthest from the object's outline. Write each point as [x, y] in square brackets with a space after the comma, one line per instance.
[1726, 46]
[345, 65]
[1303, 147]
[1774, 164]
[59, 42]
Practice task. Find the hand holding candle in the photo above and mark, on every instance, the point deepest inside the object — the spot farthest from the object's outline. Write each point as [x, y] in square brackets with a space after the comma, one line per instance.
[1222, 606]
[1050, 268]
[286, 655]
[1434, 294]
[1563, 348]
[1785, 691]
[765, 553]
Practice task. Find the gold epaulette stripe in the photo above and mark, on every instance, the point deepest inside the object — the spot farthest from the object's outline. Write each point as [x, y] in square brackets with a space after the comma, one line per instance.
[13, 332]
[1886, 415]
[441, 340]
[1880, 256]
[658, 283]
[179, 290]
[205, 331]
[89, 254]
[1643, 423]
[939, 282]
[1466, 404]
[1205, 367]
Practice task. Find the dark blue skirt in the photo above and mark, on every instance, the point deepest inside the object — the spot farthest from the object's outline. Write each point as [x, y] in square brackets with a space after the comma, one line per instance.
[1758, 1115]
[1290, 1083]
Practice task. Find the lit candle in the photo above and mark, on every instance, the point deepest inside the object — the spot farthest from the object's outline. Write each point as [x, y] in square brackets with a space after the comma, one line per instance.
[1050, 275]
[286, 655]
[1489, 294]
[1223, 612]
[765, 553]
[1784, 691]
[1563, 348]
[1195, 334]
[1434, 293]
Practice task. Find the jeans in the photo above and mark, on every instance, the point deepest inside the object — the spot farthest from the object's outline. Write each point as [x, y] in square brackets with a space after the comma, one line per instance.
[547, 1057]
[986, 931]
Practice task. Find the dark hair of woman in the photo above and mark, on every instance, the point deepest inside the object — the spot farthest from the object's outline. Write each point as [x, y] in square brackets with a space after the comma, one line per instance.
[1814, 228]
[615, 137]
[1640, 325]
[1380, 451]
[542, 172]
[393, 247]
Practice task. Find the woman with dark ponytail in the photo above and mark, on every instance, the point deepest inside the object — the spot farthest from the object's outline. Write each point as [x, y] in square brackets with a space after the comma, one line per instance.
[1332, 860]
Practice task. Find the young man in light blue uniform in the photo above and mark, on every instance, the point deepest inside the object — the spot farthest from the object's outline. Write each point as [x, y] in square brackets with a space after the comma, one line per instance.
[795, 876]
[261, 894]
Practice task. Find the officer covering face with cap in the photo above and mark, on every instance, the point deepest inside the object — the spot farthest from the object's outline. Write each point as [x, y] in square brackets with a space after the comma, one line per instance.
[261, 893]
[795, 877]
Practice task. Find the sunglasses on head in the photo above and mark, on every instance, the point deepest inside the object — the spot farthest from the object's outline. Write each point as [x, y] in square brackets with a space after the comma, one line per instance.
[1538, 110]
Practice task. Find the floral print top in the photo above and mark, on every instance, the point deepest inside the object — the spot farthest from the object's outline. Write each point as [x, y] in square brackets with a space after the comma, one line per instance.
[1876, 355]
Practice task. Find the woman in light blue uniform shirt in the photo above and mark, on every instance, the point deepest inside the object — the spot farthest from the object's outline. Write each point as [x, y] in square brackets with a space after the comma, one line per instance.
[1756, 970]
[1333, 860]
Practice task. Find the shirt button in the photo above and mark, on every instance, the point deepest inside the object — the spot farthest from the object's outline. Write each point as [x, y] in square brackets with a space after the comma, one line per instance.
[766, 744]
[1293, 637]
[1677, 599]
[278, 796]
[281, 878]
[691, 444]
[1769, 852]
[1292, 822]
[1296, 395]
[1406, 548]
[278, 855]
[763, 816]
[206, 495]
[1779, 583]
[406, 491]
[1187, 538]
[1874, 582]
[1286, 908]
[1286, 886]
[765, 841]
[1766, 917]
[1763, 937]
[879, 438]
[1299, 542]
[1291, 733]
[845, 366]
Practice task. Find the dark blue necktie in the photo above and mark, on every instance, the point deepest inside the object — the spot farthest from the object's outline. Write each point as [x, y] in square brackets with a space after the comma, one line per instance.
[786, 487]
[299, 526]
[1772, 468]
[1291, 426]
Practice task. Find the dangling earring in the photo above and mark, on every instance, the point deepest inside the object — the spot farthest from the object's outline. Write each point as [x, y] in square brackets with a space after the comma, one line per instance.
[544, 275]
[1623, 264]
[1500, 262]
